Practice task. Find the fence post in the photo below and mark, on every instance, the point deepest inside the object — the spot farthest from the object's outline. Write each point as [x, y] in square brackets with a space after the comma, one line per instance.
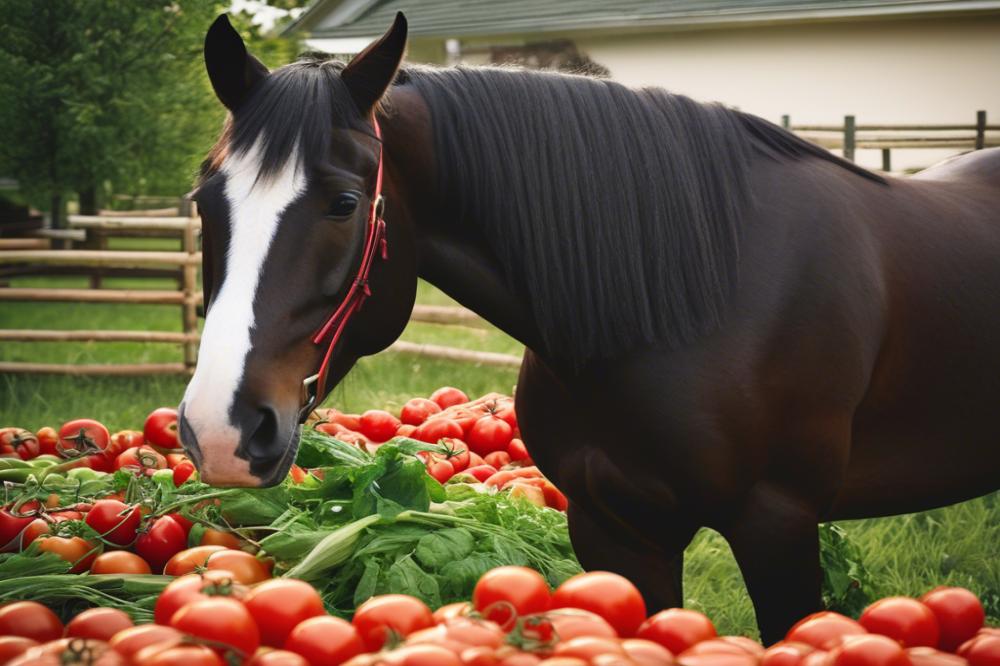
[980, 130]
[786, 121]
[886, 160]
[849, 138]
[189, 309]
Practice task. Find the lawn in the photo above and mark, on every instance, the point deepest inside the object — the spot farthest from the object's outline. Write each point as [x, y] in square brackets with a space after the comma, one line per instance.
[958, 545]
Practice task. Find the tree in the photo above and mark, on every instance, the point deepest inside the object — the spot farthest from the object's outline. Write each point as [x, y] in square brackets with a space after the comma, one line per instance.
[103, 95]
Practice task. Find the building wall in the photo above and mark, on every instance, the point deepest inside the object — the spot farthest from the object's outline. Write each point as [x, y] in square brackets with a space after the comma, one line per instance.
[913, 71]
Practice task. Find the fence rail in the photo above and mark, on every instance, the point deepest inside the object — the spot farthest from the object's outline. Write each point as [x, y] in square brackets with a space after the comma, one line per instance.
[188, 296]
[851, 136]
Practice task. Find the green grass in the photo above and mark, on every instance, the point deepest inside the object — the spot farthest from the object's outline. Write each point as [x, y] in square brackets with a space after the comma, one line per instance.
[957, 545]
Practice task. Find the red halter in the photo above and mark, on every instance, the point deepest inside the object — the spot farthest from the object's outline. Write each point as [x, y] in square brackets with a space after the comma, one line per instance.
[375, 245]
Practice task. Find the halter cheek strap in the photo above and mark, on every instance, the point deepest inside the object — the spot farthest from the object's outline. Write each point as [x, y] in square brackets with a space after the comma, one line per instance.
[330, 332]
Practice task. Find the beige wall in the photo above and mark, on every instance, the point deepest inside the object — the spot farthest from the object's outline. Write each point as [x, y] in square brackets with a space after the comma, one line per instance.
[915, 71]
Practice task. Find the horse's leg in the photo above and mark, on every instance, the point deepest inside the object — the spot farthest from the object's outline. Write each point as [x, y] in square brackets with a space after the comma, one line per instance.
[656, 571]
[776, 542]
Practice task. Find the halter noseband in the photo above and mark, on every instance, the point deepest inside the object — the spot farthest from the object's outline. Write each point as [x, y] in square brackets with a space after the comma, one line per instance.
[375, 246]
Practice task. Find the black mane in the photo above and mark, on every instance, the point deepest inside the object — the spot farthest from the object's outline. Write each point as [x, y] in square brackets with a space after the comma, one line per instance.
[615, 211]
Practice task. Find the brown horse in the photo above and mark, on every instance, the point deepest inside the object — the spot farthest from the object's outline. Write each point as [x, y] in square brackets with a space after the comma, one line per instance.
[726, 326]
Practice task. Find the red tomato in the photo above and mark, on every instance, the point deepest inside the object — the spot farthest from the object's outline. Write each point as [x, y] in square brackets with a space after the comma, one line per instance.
[11, 526]
[437, 429]
[298, 474]
[959, 614]
[177, 655]
[35, 529]
[349, 421]
[163, 539]
[244, 567]
[508, 414]
[823, 630]
[14, 646]
[72, 549]
[130, 641]
[588, 647]
[115, 521]
[677, 629]
[497, 459]
[124, 439]
[417, 410]
[449, 396]
[48, 438]
[98, 623]
[193, 587]
[398, 613]
[325, 640]
[481, 472]
[185, 524]
[186, 561]
[18, 441]
[569, 623]
[119, 562]
[160, 429]
[175, 459]
[30, 619]
[517, 450]
[378, 425]
[277, 658]
[505, 592]
[85, 436]
[279, 605]
[183, 472]
[406, 430]
[140, 457]
[925, 656]
[440, 469]
[220, 619]
[903, 619]
[490, 433]
[870, 650]
[607, 594]
[420, 655]
[981, 650]
[785, 653]
[456, 452]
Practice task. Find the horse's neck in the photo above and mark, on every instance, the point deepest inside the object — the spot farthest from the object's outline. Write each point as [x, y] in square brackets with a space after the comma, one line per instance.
[450, 255]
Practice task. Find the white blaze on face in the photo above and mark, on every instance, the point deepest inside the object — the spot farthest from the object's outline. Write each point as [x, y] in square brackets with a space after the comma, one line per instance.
[255, 209]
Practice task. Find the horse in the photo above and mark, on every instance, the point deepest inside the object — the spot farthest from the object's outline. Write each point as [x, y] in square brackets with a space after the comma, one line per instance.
[725, 325]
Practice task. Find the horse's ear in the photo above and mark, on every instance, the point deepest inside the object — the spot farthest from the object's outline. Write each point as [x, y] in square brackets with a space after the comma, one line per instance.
[373, 70]
[232, 71]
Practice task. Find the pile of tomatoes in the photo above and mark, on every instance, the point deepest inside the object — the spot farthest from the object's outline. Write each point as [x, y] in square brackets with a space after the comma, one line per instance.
[513, 619]
[88, 443]
[479, 439]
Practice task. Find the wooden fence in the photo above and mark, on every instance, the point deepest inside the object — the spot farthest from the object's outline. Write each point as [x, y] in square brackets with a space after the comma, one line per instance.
[187, 296]
[851, 137]
[184, 264]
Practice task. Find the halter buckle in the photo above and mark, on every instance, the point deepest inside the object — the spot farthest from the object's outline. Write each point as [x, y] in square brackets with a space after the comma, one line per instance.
[378, 208]
[307, 396]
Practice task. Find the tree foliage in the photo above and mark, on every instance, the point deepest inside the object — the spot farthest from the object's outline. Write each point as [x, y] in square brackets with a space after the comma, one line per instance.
[109, 96]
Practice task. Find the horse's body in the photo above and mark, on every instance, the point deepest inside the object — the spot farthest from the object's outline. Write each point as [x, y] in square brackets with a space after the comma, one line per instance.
[851, 370]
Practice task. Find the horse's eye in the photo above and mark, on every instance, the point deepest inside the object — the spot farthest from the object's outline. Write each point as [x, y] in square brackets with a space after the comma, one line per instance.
[343, 204]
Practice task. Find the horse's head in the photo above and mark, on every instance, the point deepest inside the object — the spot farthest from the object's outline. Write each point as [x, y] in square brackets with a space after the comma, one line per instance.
[286, 198]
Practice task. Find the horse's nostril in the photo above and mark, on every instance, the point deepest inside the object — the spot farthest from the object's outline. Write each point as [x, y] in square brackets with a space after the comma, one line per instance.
[261, 443]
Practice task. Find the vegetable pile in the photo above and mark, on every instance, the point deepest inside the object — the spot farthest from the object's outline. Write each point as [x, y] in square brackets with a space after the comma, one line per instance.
[427, 538]
[512, 619]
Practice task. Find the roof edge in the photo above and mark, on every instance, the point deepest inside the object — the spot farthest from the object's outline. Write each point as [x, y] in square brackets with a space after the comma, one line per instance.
[720, 19]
